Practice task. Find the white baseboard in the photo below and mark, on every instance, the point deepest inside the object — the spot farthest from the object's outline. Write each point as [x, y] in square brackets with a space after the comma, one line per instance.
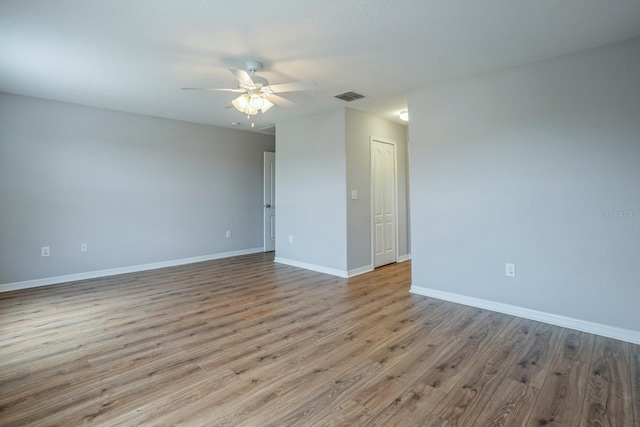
[403, 258]
[333, 271]
[360, 270]
[312, 267]
[540, 316]
[121, 270]
[326, 270]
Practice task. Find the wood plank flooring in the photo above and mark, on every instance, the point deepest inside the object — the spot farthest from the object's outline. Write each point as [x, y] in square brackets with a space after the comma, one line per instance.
[246, 342]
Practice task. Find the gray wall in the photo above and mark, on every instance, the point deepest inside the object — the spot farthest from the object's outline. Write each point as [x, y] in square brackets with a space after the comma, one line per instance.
[359, 128]
[310, 190]
[538, 165]
[137, 189]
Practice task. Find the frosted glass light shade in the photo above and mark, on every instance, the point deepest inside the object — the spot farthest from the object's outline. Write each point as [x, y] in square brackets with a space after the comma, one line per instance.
[266, 104]
[241, 102]
[250, 109]
[256, 101]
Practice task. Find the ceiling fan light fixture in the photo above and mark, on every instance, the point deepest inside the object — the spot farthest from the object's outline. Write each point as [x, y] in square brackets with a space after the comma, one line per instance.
[251, 104]
[404, 115]
[244, 104]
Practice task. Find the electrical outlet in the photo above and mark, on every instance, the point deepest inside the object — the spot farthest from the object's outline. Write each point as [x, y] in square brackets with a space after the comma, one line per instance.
[290, 238]
[228, 234]
[84, 247]
[510, 270]
[45, 251]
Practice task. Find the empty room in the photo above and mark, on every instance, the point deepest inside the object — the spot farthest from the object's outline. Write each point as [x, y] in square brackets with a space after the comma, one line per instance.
[320, 213]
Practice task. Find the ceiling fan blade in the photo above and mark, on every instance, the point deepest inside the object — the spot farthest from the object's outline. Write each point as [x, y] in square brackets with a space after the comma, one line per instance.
[214, 89]
[242, 76]
[294, 87]
[278, 100]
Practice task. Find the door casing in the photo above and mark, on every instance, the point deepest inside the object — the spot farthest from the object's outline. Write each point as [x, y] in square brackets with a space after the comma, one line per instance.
[269, 213]
[372, 141]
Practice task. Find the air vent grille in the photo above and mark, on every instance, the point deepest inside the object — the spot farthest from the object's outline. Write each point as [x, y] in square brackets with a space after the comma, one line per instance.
[349, 96]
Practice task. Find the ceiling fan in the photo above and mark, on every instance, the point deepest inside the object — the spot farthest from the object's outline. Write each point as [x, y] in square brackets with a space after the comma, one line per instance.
[256, 93]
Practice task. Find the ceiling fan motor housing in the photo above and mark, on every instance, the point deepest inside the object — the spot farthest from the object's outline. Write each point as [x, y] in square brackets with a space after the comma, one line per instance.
[253, 65]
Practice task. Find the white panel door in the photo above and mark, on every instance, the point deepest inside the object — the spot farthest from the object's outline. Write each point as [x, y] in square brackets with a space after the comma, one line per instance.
[269, 201]
[383, 185]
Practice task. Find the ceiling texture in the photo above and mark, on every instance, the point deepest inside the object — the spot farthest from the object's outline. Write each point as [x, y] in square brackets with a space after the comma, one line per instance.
[135, 55]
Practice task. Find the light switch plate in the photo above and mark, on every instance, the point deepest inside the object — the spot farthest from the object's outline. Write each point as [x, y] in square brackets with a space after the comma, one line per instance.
[510, 270]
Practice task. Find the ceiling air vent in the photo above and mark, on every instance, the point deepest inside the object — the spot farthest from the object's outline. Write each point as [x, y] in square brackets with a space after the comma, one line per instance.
[349, 96]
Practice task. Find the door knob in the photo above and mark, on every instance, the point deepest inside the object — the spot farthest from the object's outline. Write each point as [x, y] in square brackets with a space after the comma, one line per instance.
[267, 206]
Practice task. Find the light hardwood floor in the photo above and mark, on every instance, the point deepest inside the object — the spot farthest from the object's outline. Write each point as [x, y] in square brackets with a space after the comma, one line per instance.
[244, 341]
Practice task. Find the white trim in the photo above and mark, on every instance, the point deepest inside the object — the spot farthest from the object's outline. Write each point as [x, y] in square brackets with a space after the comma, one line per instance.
[360, 270]
[403, 258]
[264, 202]
[121, 270]
[541, 316]
[312, 267]
[327, 270]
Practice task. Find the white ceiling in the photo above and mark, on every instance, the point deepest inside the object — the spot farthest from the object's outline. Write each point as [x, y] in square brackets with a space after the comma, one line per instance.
[135, 55]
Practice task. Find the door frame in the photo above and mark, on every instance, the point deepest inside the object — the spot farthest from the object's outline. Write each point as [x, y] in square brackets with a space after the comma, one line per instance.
[264, 202]
[373, 139]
